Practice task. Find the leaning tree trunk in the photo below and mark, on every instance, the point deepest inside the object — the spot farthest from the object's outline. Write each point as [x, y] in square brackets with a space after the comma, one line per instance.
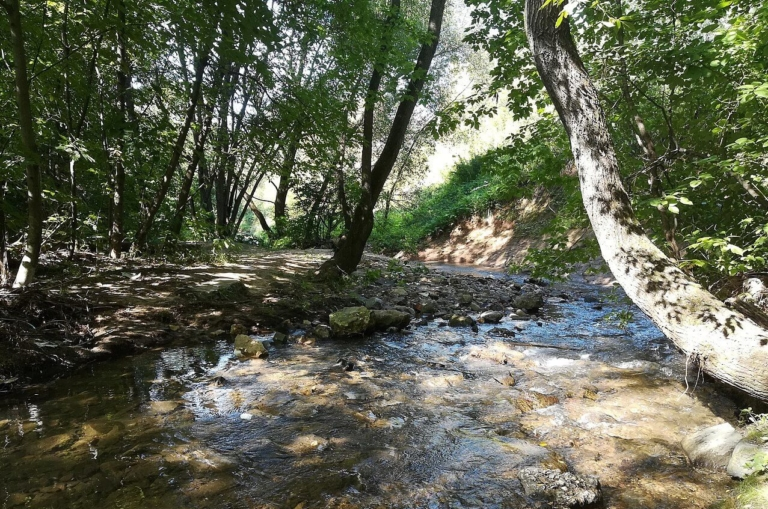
[723, 343]
[26, 272]
[350, 251]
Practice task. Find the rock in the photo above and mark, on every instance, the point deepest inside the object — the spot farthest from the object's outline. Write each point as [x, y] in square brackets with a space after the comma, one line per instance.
[386, 318]
[529, 302]
[374, 303]
[590, 392]
[279, 338]
[350, 321]
[475, 307]
[399, 295]
[563, 489]
[429, 308]
[322, 331]
[500, 331]
[465, 299]
[237, 329]
[591, 299]
[711, 447]
[406, 309]
[461, 321]
[246, 346]
[744, 453]
[491, 317]
[305, 340]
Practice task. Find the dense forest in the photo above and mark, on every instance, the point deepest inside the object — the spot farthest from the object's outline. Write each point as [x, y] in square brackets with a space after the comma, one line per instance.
[132, 131]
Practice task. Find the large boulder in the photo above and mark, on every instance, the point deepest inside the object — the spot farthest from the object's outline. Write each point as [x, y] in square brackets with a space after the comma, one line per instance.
[529, 302]
[711, 447]
[385, 318]
[350, 321]
[744, 457]
[246, 346]
[562, 489]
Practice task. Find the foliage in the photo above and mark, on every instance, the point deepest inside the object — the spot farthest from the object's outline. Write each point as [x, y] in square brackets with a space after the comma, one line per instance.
[533, 158]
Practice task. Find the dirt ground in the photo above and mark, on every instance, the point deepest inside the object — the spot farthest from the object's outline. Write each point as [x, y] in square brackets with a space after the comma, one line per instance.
[94, 307]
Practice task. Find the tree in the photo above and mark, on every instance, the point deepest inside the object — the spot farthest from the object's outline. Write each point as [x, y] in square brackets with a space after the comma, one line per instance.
[374, 176]
[26, 272]
[721, 342]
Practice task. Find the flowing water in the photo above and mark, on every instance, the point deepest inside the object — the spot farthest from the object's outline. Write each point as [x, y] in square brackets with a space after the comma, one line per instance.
[437, 418]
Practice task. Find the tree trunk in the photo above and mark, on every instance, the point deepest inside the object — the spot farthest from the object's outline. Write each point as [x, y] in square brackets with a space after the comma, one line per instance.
[723, 343]
[350, 251]
[186, 183]
[26, 272]
[165, 184]
[127, 112]
[4, 275]
[284, 185]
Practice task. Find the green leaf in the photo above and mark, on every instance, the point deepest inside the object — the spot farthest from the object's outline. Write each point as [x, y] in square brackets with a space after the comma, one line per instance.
[685, 201]
[560, 18]
[673, 208]
[695, 183]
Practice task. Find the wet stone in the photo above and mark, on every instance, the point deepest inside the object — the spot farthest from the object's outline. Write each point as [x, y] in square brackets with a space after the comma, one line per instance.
[390, 318]
[740, 464]
[322, 332]
[562, 489]
[529, 302]
[491, 317]
[711, 447]
[237, 329]
[501, 331]
[350, 321]
[461, 321]
[246, 346]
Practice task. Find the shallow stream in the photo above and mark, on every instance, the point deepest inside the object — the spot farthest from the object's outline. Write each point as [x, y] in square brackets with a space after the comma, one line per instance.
[437, 418]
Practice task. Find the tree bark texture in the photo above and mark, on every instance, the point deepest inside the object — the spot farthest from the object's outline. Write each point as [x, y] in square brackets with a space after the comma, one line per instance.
[722, 342]
[26, 272]
[350, 251]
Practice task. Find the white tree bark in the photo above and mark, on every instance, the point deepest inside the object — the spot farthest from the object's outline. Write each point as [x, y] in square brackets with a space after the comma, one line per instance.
[723, 343]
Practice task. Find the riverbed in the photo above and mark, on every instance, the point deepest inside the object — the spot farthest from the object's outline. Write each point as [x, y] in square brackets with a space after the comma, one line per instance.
[433, 417]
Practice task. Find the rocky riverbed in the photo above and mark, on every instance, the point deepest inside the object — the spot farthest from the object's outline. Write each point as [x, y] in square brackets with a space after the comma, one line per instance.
[572, 391]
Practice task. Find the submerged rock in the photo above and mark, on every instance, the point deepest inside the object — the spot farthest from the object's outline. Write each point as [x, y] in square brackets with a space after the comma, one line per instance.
[386, 318]
[246, 346]
[562, 489]
[350, 321]
[711, 447]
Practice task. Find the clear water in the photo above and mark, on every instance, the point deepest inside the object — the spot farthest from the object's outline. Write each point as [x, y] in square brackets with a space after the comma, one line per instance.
[426, 420]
